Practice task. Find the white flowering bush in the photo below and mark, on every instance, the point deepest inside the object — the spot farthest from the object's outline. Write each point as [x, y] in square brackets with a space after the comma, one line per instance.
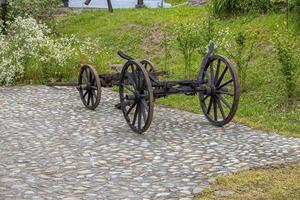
[30, 51]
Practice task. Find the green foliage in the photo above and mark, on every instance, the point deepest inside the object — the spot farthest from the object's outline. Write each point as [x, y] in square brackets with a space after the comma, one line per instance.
[287, 50]
[296, 11]
[189, 39]
[41, 10]
[193, 38]
[167, 55]
[233, 7]
[208, 33]
[240, 48]
[277, 183]
[176, 2]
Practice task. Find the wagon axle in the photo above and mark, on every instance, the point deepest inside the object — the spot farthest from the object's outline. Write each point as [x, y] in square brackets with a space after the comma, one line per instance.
[216, 84]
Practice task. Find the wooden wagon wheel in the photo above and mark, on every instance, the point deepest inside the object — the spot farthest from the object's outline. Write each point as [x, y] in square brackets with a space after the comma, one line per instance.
[89, 87]
[150, 67]
[136, 96]
[220, 102]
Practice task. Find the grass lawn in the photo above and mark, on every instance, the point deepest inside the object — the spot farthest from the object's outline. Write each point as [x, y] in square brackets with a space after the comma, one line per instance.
[140, 32]
[279, 183]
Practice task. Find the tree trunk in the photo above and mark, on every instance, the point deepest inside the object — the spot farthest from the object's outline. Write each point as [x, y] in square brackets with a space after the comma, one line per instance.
[66, 3]
[110, 8]
[4, 5]
[140, 4]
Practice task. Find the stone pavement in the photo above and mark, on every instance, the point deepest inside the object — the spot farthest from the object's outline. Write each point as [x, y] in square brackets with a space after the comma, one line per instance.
[51, 147]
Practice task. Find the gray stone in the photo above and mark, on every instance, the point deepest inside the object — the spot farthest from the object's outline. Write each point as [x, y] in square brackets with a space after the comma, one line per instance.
[223, 193]
[51, 147]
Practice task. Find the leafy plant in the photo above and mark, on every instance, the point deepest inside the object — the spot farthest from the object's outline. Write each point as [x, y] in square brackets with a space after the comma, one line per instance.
[208, 33]
[231, 7]
[240, 47]
[167, 54]
[188, 38]
[296, 11]
[41, 10]
[287, 48]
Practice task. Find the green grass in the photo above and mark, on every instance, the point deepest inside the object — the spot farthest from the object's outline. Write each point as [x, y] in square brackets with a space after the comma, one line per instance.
[279, 183]
[176, 2]
[140, 33]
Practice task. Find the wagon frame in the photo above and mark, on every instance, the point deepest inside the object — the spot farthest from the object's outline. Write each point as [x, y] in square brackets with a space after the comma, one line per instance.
[216, 84]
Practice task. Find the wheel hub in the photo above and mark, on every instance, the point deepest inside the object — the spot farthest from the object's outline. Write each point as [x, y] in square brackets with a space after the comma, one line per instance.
[211, 90]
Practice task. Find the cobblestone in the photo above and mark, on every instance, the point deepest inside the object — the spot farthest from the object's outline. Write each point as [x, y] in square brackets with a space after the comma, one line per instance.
[51, 147]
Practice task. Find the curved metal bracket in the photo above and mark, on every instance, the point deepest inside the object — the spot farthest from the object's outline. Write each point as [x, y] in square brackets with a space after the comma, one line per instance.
[124, 55]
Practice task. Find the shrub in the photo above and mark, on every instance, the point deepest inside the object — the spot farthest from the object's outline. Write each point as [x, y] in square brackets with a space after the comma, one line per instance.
[296, 11]
[232, 7]
[27, 41]
[38, 9]
[240, 47]
[29, 50]
[208, 33]
[287, 49]
[188, 39]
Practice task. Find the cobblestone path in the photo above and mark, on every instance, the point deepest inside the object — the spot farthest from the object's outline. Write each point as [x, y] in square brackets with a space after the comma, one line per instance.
[51, 147]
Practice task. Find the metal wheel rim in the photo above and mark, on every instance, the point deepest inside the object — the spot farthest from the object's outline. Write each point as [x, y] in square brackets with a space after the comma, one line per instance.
[89, 87]
[218, 98]
[142, 107]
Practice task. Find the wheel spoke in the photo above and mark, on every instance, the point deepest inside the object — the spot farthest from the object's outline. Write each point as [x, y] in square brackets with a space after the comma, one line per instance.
[203, 99]
[217, 71]
[140, 117]
[135, 115]
[223, 85]
[127, 87]
[94, 87]
[89, 98]
[208, 78]
[94, 94]
[212, 76]
[91, 77]
[221, 109]
[83, 87]
[131, 107]
[84, 95]
[87, 74]
[144, 113]
[84, 78]
[209, 106]
[135, 80]
[131, 80]
[224, 102]
[225, 92]
[138, 78]
[145, 104]
[92, 98]
[222, 76]
[215, 109]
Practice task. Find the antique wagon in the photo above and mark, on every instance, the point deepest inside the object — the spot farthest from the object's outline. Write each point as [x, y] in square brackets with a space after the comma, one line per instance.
[216, 85]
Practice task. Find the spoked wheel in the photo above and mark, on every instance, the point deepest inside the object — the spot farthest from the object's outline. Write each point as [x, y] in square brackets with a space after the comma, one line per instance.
[150, 67]
[220, 102]
[136, 96]
[89, 87]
